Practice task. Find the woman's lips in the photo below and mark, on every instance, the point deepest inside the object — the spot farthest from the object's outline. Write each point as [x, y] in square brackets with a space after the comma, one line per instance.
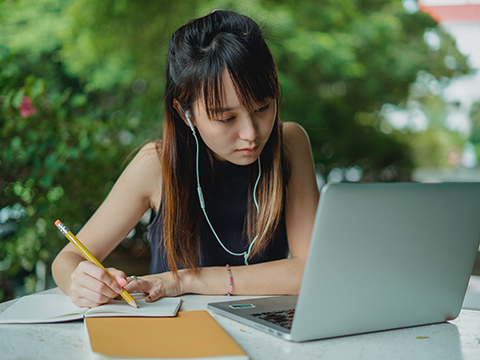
[248, 151]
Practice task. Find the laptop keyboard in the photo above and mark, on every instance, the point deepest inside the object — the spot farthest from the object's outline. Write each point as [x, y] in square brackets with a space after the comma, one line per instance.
[282, 318]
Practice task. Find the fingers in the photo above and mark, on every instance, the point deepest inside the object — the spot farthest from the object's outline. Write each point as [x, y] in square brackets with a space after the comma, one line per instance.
[131, 278]
[156, 286]
[154, 295]
[153, 289]
[85, 297]
[119, 276]
[138, 284]
[92, 286]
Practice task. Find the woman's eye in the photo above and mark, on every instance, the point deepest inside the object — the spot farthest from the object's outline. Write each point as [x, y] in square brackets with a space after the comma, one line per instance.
[263, 108]
[226, 120]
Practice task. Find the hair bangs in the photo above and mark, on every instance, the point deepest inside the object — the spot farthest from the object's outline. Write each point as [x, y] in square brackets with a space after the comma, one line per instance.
[253, 76]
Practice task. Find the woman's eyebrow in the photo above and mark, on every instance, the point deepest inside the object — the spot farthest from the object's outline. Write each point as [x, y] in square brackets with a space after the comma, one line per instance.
[223, 110]
[227, 109]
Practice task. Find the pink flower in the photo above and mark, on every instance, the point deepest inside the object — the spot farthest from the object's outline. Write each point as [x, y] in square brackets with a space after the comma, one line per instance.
[26, 108]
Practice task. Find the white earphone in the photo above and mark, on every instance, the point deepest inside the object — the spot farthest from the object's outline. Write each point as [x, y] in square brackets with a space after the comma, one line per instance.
[187, 115]
[245, 254]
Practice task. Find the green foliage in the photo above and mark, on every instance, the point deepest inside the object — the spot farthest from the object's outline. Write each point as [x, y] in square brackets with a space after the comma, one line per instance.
[90, 111]
[58, 162]
[93, 71]
[435, 146]
[475, 136]
[341, 61]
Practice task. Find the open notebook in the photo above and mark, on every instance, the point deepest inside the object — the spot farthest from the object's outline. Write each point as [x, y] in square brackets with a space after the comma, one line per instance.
[48, 308]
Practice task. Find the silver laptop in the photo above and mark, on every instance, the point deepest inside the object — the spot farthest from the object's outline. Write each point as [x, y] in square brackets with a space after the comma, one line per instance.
[382, 256]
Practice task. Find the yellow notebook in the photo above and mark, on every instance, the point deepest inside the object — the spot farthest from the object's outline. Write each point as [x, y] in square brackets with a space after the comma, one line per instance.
[191, 334]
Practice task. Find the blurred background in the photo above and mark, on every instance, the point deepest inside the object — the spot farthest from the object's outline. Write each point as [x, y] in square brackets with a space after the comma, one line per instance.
[388, 90]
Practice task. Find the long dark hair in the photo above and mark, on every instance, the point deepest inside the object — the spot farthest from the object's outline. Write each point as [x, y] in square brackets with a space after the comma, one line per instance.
[198, 55]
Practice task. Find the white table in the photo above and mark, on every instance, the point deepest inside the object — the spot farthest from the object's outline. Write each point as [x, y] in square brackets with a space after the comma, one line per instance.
[458, 339]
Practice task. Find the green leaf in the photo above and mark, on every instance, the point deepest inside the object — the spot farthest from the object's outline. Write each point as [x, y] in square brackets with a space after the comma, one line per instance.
[17, 98]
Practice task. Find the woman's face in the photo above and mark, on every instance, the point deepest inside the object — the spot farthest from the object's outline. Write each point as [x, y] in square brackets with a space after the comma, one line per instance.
[235, 133]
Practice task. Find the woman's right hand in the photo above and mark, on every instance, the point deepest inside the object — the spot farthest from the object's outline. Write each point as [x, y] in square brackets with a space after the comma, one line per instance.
[92, 286]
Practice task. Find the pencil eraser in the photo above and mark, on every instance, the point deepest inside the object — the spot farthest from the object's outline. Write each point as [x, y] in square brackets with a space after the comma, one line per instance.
[58, 222]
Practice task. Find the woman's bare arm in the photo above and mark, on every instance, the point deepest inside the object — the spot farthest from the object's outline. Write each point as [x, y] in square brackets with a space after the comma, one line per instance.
[133, 193]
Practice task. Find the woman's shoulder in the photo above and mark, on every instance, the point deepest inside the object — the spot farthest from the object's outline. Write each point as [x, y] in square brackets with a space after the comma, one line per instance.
[294, 136]
[149, 152]
[145, 159]
[144, 172]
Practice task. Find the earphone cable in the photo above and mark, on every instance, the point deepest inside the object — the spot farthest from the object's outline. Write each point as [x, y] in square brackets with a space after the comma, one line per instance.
[245, 254]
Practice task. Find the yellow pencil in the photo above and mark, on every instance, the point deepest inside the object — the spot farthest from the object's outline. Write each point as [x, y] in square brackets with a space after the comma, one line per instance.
[69, 235]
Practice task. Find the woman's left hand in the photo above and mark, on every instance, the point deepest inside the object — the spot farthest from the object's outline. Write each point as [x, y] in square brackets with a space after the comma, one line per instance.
[157, 286]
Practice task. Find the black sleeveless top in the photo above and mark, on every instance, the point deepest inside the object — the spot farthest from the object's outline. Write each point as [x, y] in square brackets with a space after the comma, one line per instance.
[226, 207]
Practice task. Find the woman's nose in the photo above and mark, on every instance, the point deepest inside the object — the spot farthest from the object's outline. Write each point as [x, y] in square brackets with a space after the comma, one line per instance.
[248, 130]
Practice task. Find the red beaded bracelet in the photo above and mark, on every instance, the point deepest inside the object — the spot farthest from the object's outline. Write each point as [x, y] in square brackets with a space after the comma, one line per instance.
[231, 280]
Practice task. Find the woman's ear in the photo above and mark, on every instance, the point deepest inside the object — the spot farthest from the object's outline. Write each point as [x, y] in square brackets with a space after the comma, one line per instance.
[183, 114]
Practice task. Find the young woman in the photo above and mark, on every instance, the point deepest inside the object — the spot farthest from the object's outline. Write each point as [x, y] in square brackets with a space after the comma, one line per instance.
[233, 188]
